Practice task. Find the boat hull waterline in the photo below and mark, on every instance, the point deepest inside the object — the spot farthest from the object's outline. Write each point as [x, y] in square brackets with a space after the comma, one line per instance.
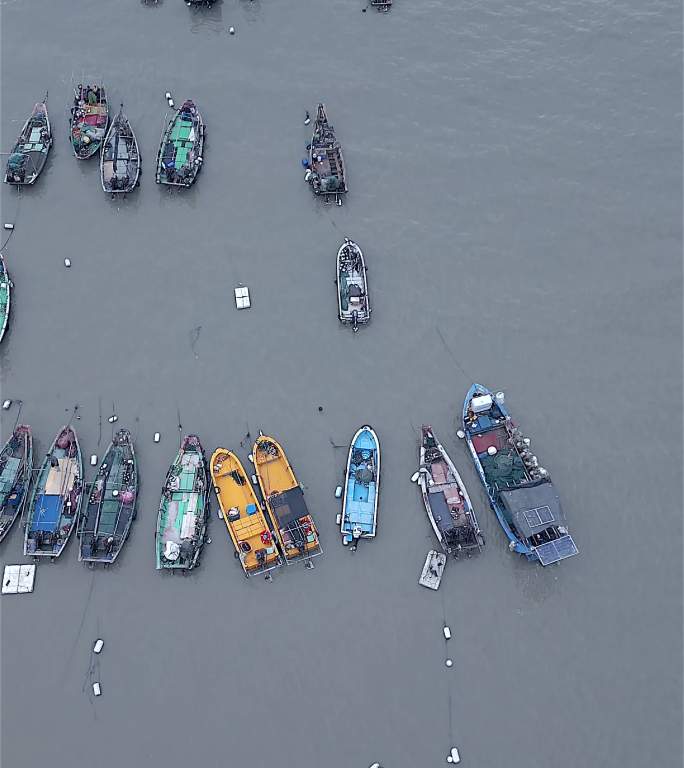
[293, 524]
[111, 506]
[248, 528]
[183, 509]
[56, 498]
[361, 488]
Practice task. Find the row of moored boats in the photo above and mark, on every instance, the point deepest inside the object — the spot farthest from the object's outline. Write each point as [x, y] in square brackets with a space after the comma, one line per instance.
[180, 153]
[274, 527]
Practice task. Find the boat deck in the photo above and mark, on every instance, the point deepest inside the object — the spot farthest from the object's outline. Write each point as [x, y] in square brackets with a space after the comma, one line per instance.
[360, 500]
[186, 505]
[275, 473]
[50, 513]
[242, 514]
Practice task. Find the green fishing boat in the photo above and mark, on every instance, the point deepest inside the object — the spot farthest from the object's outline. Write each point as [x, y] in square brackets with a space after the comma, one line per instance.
[5, 286]
[179, 159]
[110, 509]
[29, 155]
[184, 509]
[89, 120]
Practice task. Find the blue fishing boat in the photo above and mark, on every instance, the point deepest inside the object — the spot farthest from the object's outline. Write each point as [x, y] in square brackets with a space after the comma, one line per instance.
[520, 491]
[361, 488]
[56, 499]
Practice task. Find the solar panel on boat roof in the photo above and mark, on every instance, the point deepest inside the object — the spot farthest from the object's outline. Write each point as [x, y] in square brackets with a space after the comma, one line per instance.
[557, 550]
[539, 516]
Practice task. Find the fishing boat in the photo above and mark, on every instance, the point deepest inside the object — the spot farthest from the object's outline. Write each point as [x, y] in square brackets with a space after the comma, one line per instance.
[27, 158]
[353, 303]
[184, 509]
[180, 152]
[294, 527]
[361, 488]
[325, 172]
[5, 289]
[120, 158]
[16, 464]
[381, 5]
[110, 509]
[520, 491]
[89, 118]
[254, 543]
[56, 498]
[446, 499]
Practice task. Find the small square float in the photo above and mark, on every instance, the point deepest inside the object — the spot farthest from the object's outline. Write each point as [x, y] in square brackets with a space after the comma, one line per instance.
[242, 297]
[18, 579]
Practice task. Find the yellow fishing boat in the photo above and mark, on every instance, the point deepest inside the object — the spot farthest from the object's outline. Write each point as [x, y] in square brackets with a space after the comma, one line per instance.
[254, 544]
[294, 526]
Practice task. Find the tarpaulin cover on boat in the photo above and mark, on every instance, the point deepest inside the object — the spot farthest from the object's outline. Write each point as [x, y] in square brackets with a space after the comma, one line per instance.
[47, 512]
[533, 507]
[289, 506]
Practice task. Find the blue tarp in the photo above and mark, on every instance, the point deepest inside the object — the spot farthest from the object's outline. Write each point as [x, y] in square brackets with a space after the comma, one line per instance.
[46, 513]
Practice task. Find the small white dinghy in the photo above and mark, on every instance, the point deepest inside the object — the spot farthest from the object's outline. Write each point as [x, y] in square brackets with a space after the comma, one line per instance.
[431, 576]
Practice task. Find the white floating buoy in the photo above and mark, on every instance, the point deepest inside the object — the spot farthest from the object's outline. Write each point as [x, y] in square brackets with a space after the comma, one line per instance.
[447, 632]
[67, 262]
[171, 104]
[500, 398]
[449, 662]
[491, 450]
[254, 480]
[251, 458]
[167, 95]
[511, 545]
[376, 765]
[93, 460]
[9, 226]
[113, 418]
[231, 30]
[115, 493]
[157, 437]
[454, 757]
[97, 648]
[460, 434]
[338, 492]
[6, 405]
[414, 477]
[96, 689]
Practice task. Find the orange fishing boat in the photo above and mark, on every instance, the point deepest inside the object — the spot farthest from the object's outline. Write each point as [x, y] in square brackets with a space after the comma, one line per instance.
[294, 526]
[254, 544]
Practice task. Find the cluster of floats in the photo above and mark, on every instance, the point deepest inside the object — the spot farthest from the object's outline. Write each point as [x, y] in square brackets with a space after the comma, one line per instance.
[274, 527]
[180, 153]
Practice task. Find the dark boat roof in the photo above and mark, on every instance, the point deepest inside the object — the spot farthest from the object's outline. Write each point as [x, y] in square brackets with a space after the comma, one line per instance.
[289, 506]
[533, 507]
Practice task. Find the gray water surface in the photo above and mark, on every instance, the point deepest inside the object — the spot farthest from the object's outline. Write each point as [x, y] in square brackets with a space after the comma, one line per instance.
[515, 183]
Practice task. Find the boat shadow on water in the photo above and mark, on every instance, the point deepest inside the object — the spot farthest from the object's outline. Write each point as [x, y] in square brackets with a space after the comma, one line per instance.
[534, 582]
[206, 15]
[177, 195]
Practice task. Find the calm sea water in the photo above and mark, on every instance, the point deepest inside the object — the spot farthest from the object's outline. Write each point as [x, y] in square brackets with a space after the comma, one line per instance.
[515, 182]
